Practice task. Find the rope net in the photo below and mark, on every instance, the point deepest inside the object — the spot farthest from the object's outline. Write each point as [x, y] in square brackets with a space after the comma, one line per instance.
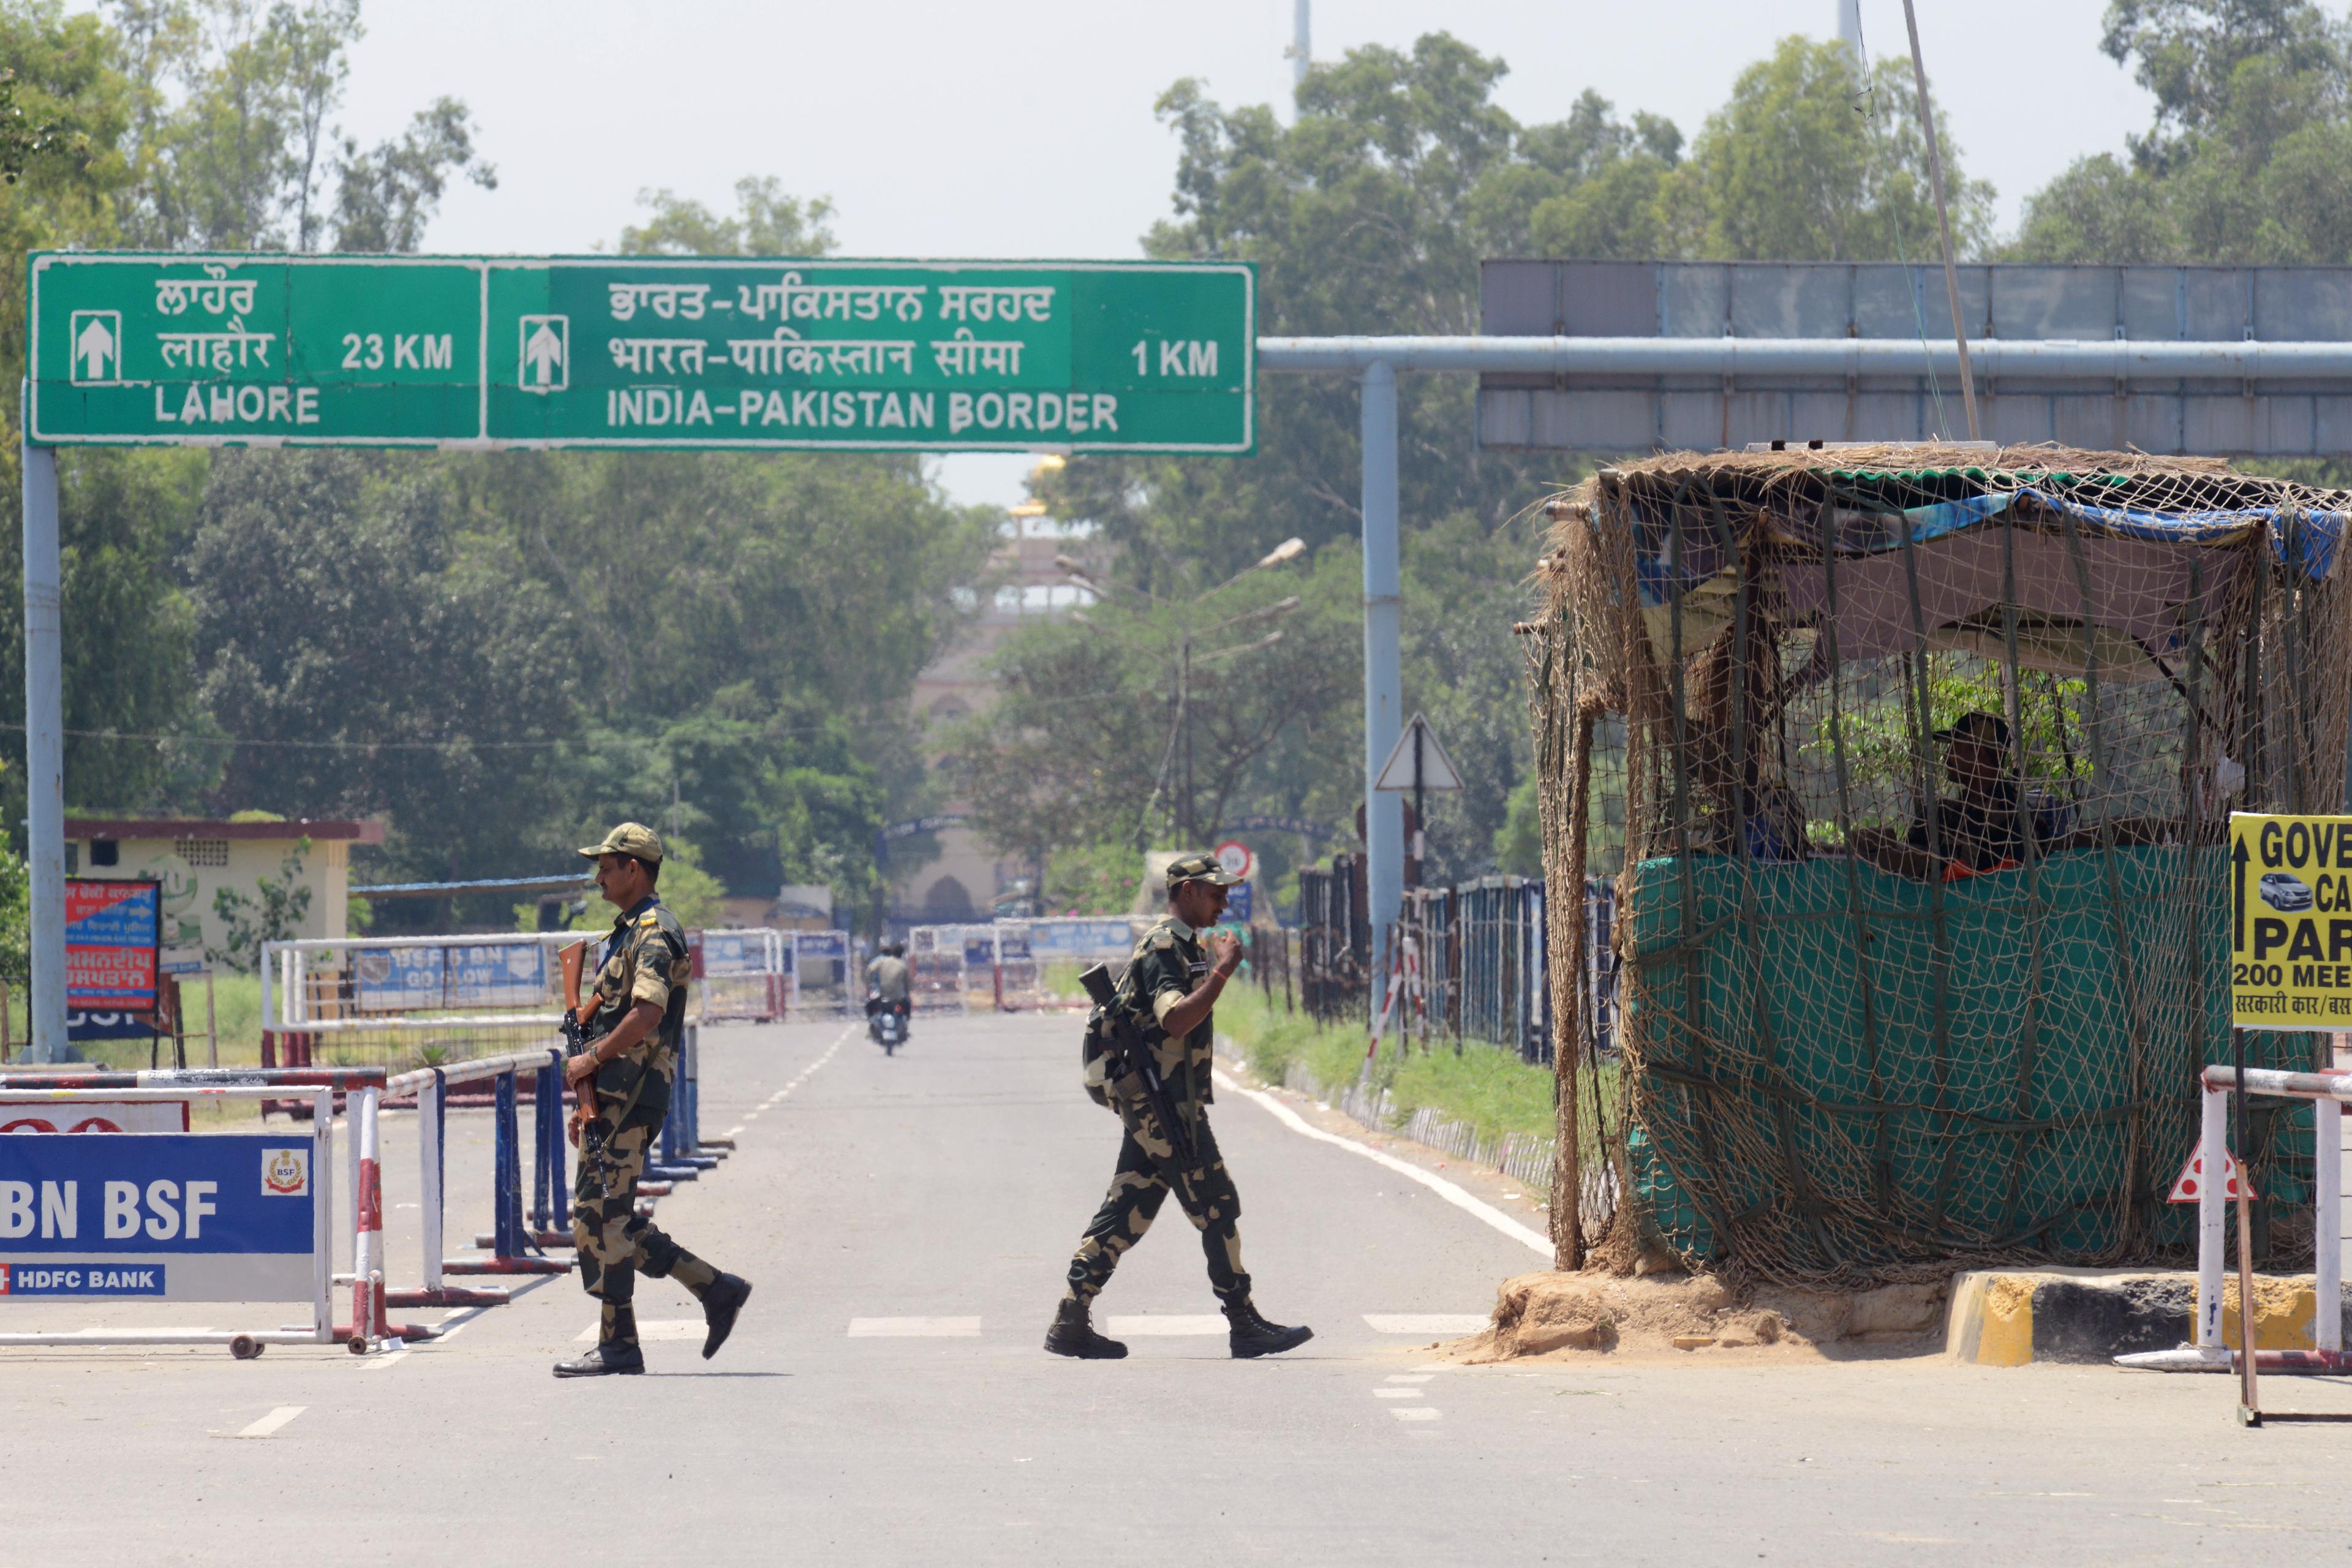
[1911, 768]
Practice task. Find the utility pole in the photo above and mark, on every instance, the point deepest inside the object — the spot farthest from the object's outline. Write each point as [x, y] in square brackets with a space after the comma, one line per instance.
[1943, 216]
[1301, 34]
[1850, 32]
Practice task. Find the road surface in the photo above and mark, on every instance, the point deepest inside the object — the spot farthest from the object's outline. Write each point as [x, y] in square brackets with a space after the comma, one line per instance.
[906, 1223]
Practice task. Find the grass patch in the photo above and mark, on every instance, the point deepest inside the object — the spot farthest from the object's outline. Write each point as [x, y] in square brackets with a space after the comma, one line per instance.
[1272, 1039]
[1492, 1090]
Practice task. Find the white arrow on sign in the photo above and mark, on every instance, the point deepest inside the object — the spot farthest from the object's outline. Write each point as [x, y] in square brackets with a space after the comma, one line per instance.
[1418, 762]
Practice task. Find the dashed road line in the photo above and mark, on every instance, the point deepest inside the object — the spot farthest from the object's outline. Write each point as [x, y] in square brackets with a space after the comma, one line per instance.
[914, 1328]
[732, 1131]
[1417, 1413]
[664, 1328]
[275, 1421]
[1396, 1393]
[1442, 1324]
[1484, 1212]
[1168, 1325]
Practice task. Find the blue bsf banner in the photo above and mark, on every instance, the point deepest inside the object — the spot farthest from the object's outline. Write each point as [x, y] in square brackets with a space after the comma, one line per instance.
[188, 1216]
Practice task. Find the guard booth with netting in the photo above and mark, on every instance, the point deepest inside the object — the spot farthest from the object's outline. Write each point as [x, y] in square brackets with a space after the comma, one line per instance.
[1912, 767]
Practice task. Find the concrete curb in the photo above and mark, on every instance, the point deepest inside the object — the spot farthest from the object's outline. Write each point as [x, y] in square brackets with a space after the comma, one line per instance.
[2005, 1318]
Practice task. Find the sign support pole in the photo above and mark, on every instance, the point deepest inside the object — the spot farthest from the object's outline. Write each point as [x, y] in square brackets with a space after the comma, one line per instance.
[45, 751]
[1383, 672]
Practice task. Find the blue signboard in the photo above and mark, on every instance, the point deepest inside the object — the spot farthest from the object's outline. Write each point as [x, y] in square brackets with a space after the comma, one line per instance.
[1081, 938]
[189, 1217]
[424, 979]
[821, 944]
[84, 1025]
[1237, 904]
[113, 943]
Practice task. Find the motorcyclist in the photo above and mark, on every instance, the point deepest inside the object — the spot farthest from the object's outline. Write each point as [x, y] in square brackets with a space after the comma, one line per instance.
[887, 985]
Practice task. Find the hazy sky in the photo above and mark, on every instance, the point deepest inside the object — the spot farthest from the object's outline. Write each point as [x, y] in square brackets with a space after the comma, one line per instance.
[1024, 127]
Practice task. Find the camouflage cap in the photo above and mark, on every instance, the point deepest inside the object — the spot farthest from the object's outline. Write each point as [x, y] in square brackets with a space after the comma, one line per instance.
[1200, 869]
[633, 839]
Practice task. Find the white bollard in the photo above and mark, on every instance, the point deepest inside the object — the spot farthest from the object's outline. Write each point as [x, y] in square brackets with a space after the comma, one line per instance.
[367, 1263]
[2327, 1223]
[322, 1211]
[2211, 1233]
[429, 1139]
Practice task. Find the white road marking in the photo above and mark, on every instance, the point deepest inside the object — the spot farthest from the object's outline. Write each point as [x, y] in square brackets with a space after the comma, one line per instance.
[738, 1127]
[1445, 1189]
[376, 1362]
[1396, 1393]
[1442, 1323]
[1167, 1324]
[1410, 1377]
[914, 1328]
[667, 1328]
[1416, 1412]
[273, 1421]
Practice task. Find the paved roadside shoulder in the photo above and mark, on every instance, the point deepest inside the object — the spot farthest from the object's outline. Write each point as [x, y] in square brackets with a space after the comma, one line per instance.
[1507, 1195]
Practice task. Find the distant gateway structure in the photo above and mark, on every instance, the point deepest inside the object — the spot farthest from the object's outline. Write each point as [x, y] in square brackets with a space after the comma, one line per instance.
[1619, 411]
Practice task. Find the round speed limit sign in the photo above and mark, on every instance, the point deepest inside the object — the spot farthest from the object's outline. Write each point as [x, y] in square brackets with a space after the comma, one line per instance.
[1235, 858]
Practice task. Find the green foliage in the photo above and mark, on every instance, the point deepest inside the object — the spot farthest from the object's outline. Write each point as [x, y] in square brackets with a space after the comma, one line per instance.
[1108, 731]
[273, 911]
[767, 223]
[1092, 879]
[688, 891]
[1882, 744]
[230, 143]
[2250, 158]
[1518, 843]
[1272, 1039]
[1809, 161]
[1492, 1090]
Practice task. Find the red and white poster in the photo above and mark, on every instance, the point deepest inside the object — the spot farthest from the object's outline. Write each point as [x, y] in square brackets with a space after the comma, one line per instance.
[113, 931]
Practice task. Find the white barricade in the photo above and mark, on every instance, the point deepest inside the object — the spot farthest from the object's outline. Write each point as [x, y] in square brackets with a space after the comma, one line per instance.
[936, 969]
[212, 1216]
[743, 973]
[2209, 1353]
[821, 973]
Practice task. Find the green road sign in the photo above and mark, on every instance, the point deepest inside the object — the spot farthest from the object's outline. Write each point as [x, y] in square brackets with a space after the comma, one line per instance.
[488, 352]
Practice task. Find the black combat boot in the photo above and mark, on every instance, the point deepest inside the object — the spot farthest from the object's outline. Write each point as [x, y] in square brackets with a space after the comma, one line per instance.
[605, 1361]
[1254, 1336]
[720, 1302]
[1073, 1334]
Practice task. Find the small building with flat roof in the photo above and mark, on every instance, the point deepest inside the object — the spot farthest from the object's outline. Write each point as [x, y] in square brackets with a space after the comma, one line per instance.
[196, 860]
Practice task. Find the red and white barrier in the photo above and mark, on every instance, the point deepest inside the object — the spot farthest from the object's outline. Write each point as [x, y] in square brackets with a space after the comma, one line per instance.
[2328, 1092]
[65, 1091]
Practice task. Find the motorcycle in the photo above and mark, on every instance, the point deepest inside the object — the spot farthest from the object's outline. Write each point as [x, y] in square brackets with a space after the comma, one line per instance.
[886, 1024]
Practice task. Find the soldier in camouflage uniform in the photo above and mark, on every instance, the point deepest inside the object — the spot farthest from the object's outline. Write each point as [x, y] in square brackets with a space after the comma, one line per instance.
[625, 1074]
[1169, 989]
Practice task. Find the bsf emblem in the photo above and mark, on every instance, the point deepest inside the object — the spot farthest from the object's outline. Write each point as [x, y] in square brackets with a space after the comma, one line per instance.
[285, 1172]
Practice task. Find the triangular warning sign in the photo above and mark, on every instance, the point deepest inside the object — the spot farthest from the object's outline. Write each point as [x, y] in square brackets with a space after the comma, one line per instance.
[1425, 765]
[2190, 1185]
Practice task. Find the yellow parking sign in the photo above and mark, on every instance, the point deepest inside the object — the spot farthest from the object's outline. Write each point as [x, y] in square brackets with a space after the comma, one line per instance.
[2290, 921]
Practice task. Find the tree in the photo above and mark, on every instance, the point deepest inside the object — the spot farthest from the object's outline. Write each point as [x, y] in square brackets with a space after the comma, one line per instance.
[1809, 161]
[387, 195]
[1111, 730]
[767, 223]
[230, 143]
[2247, 160]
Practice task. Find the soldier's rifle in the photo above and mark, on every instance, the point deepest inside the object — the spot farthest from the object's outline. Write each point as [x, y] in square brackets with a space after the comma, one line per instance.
[572, 961]
[1135, 1072]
